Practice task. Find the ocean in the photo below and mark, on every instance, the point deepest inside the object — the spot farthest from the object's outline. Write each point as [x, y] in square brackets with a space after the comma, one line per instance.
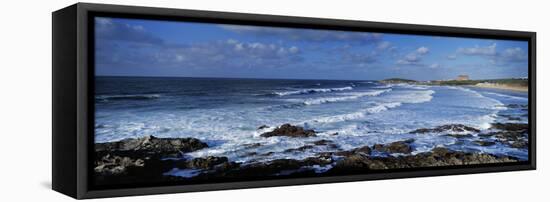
[226, 114]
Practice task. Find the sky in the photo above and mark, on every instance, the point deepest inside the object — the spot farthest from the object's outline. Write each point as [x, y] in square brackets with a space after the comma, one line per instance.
[136, 47]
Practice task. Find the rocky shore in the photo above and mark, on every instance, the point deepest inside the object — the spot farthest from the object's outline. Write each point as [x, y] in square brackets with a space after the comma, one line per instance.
[150, 159]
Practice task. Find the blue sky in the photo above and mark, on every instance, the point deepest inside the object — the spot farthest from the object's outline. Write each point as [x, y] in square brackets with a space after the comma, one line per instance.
[129, 47]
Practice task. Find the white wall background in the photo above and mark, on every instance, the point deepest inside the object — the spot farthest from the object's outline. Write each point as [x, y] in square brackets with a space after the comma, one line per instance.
[25, 102]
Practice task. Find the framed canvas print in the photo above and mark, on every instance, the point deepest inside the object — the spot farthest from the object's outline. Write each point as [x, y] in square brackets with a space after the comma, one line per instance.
[153, 100]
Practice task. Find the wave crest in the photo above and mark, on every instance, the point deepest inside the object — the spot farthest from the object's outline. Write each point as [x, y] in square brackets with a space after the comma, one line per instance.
[127, 97]
[312, 90]
[349, 96]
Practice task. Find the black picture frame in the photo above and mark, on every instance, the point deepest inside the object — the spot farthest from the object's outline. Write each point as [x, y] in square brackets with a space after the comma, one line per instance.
[73, 87]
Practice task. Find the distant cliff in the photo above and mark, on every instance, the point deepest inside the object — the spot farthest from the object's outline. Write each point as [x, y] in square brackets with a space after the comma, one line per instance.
[398, 80]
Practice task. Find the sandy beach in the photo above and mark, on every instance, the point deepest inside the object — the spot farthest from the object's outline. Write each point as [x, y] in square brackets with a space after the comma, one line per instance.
[502, 86]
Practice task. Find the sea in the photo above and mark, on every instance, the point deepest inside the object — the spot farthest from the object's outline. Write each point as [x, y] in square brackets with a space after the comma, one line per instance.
[226, 113]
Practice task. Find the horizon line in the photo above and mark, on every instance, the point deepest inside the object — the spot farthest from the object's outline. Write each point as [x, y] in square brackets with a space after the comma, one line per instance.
[208, 77]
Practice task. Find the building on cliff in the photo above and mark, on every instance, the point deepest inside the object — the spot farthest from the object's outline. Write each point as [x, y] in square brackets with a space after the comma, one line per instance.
[462, 78]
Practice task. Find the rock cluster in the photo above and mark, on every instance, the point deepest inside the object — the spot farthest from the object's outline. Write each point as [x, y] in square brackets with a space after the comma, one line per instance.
[290, 131]
[149, 158]
[447, 128]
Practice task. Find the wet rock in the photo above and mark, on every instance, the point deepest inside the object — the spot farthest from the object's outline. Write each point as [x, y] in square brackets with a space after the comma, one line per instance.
[484, 143]
[141, 159]
[150, 146]
[515, 139]
[206, 163]
[520, 144]
[318, 160]
[252, 145]
[266, 154]
[364, 150]
[460, 135]
[517, 127]
[447, 128]
[300, 149]
[439, 156]
[322, 142]
[263, 127]
[115, 165]
[395, 147]
[290, 131]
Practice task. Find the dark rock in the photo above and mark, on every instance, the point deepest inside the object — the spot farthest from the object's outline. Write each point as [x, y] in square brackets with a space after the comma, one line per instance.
[290, 131]
[511, 126]
[140, 160]
[206, 163]
[151, 146]
[484, 143]
[364, 149]
[360, 151]
[115, 165]
[515, 139]
[252, 145]
[266, 154]
[519, 144]
[460, 135]
[439, 156]
[447, 128]
[334, 134]
[263, 127]
[300, 149]
[322, 142]
[318, 160]
[395, 147]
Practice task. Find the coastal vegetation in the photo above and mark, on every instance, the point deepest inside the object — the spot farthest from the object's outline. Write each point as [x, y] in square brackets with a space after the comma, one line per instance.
[519, 84]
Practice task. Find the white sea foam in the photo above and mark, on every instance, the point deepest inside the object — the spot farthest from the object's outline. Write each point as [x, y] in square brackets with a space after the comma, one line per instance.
[507, 96]
[344, 97]
[484, 122]
[312, 90]
[359, 114]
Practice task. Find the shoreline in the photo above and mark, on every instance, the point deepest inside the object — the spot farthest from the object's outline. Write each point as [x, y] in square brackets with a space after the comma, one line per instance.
[502, 87]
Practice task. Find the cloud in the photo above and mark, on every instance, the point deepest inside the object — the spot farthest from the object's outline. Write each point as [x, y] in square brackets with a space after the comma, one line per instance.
[422, 50]
[479, 50]
[415, 57]
[384, 45]
[435, 65]
[307, 35]
[360, 59]
[226, 54]
[514, 55]
[451, 57]
[106, 28]
[494, 56]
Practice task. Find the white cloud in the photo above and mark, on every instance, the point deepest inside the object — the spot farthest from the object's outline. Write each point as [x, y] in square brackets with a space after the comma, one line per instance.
[490, 50]
[494, 56]
[307, 35]
[435, 65]
[414, 58]
[422, 50]
[514, 54]
[384, 45]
